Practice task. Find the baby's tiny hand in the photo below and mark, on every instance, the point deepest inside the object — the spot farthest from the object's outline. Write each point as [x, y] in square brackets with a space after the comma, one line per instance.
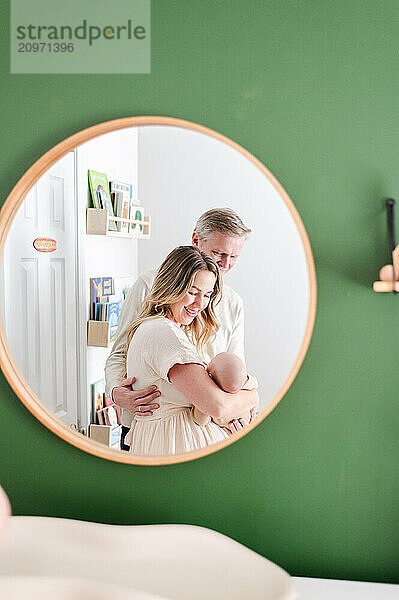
[234, 426]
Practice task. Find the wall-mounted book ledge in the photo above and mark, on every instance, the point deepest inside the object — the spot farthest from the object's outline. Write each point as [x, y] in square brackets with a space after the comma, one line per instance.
[100, 222]
[106, 434]
[98, 334]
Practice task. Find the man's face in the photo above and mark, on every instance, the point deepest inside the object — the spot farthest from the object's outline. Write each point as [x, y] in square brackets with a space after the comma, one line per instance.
[224, 249]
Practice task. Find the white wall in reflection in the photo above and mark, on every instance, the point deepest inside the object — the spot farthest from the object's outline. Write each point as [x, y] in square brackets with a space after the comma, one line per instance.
[184, 173]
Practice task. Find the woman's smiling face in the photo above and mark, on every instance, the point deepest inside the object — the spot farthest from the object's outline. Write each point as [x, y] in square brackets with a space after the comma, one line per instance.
[195, 299]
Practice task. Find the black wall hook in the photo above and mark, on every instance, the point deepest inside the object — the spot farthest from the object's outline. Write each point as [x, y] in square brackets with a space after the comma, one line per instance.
[390, 204]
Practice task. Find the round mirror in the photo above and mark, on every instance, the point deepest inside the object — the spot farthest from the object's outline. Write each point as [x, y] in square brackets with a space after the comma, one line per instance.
[83, 236]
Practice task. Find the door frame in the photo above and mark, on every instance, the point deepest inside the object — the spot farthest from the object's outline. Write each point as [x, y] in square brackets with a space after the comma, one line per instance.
[80, 298]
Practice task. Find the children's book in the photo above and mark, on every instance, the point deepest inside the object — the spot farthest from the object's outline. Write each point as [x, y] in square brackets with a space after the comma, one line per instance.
[99, 189]
[122, 194]
[109, 402]
[106, 310]
[100, 289]
[114, 309]
[136, 214]
[101, 311]
[97, 398]
[108, 416]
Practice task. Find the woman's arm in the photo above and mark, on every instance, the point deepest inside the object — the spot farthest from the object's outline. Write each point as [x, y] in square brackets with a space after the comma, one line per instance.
[195, 384]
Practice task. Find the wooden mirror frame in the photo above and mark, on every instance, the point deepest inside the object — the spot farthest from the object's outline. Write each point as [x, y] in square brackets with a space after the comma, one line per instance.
[7, 363]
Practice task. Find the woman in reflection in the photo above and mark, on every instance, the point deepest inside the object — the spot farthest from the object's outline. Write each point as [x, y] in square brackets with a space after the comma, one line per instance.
[164, 348]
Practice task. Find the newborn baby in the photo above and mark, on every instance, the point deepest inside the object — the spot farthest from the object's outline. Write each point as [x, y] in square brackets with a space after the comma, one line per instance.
[230, 374]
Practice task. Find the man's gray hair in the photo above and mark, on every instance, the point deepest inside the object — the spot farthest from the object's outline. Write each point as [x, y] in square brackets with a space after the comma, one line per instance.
[223, 220]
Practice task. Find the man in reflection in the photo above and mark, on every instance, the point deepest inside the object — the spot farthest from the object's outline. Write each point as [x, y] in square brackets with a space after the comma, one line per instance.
[221, 234]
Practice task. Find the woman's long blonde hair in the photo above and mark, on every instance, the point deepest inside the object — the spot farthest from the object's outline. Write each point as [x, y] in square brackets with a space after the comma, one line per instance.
[173, 280]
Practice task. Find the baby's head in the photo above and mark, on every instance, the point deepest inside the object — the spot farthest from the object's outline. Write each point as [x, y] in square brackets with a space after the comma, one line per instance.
[228, 371]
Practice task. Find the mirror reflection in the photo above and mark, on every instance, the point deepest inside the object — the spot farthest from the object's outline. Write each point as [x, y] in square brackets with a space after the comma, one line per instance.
[155, 290]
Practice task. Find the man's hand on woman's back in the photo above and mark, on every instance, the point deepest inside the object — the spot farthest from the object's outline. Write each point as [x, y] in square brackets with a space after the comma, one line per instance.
[138, 402]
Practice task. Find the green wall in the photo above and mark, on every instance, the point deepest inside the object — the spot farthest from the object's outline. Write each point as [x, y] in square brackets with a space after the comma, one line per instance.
[312, 89]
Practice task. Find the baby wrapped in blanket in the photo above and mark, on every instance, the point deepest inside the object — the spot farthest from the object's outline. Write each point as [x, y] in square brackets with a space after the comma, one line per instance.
[230, 374]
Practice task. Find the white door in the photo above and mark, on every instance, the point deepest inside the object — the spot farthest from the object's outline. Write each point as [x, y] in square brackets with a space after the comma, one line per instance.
[39, 291]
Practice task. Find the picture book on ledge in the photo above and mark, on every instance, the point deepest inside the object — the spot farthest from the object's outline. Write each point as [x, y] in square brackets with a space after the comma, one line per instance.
[100, 195]
[109, 416]
[121, 194]
[100, 290]
[137, 214]
[104, 410]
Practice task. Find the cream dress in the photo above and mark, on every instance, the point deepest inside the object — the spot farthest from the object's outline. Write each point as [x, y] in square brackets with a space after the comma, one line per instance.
[156, 346]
